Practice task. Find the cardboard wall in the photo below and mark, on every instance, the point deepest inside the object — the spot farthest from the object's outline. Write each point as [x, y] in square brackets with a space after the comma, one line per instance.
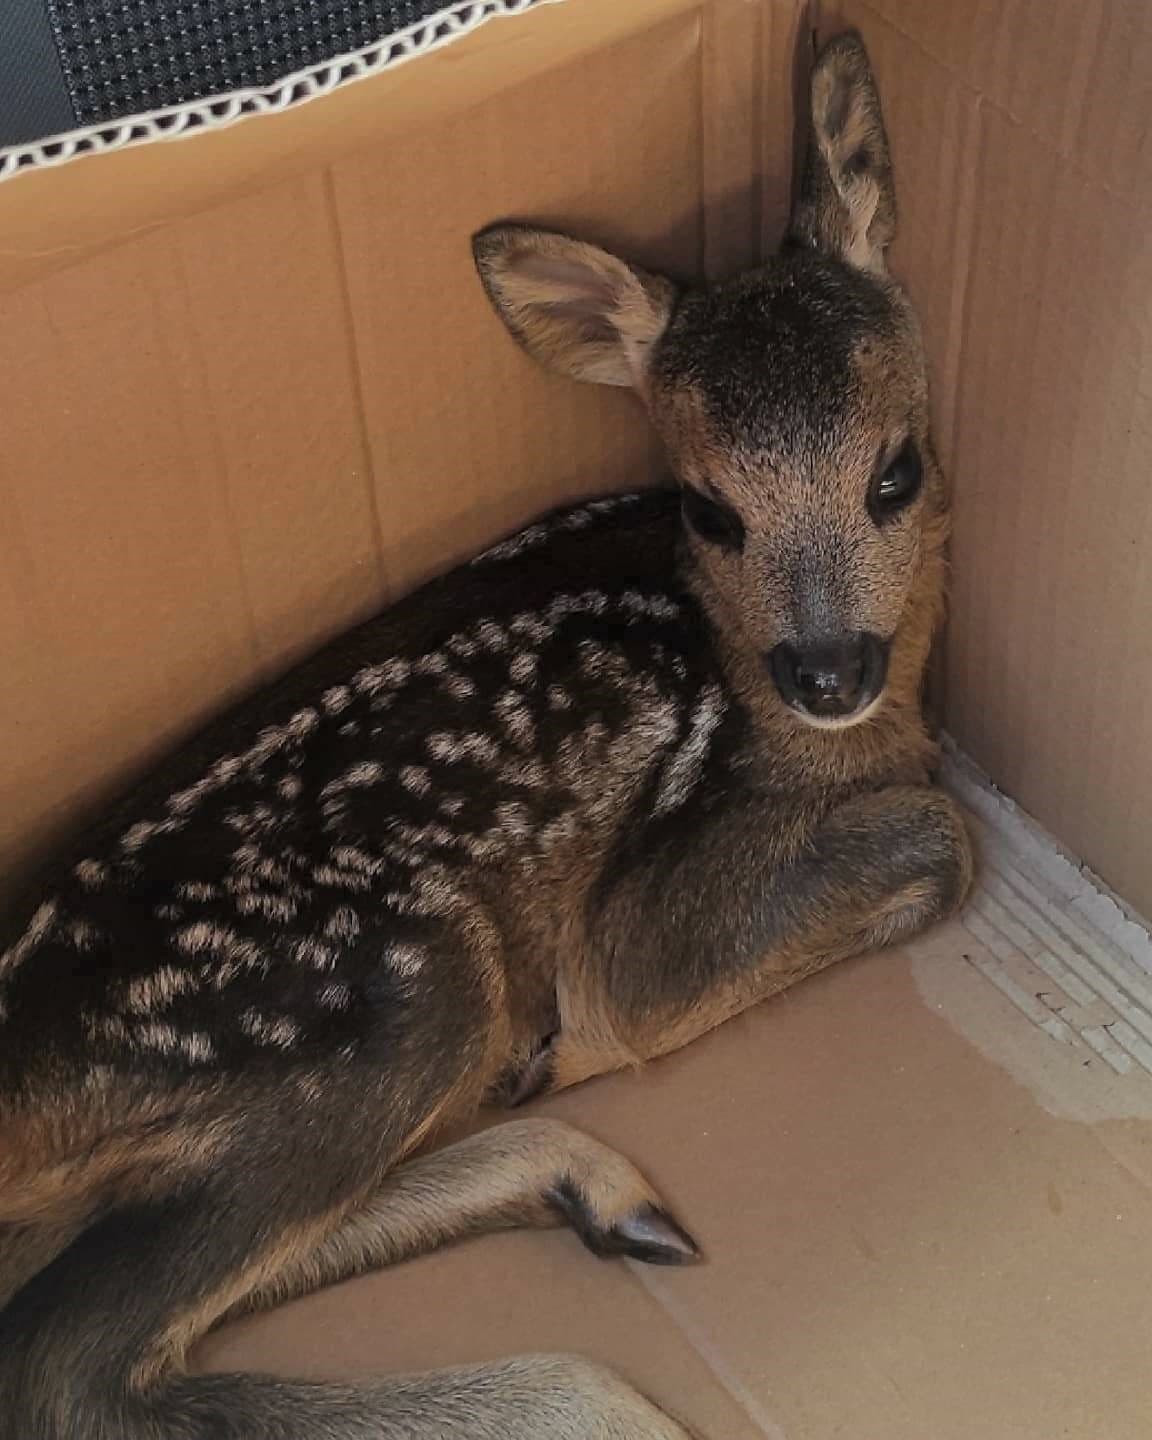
[1021, 139]
[252, 388]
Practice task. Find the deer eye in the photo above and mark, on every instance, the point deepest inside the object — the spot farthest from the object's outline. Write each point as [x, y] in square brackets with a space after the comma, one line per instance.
[712, 521]
[897, 484]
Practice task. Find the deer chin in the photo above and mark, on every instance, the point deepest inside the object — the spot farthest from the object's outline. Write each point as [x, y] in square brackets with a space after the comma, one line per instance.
[866, 712]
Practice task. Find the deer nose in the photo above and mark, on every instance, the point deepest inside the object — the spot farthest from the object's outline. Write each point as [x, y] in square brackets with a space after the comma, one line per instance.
[830, 679]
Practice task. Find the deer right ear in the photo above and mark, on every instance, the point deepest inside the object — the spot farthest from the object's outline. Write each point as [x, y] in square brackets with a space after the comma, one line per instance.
[847, 205]
[575, 309]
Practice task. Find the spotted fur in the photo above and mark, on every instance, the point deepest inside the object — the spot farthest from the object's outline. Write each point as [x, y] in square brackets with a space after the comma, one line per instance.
[552, 815]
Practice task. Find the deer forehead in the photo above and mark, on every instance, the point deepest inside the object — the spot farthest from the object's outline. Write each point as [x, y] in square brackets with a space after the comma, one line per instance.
[786, 368]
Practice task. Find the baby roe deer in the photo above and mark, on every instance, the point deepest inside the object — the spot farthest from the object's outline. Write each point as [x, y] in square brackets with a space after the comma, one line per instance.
[566, 809]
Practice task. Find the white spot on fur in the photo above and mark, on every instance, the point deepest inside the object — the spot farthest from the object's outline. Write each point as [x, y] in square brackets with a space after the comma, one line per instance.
[338, 698]
[302, 724]
[593, 658]
[527, 539]
[184, 801]
[389, 675]
[655, 607]
[196, 1046]
[430, 834]
[515, 716]
[151, 992]
[82, 934]
[138, 835]
[682, 770]
[311, 951]
[357, 777]
[416, 779]
[349, 857]
[267, 743]
[451, 805]
[559, 698]
[529, 625]
[334, 996]
[156, 1035]
[204, 938]
[459, 686]
[464, 646]
[432, 664]
[489, 846]
[37, 930]
[406, 959]
[196, 890]
[606, 504]
[342, 924]
[272, 907]
[524, 668]
[461, 745]
[289, 788]
[337, 879]
[314, 1090]
[433, 894]
[492, 636]
[268, 1029]
[92, 874]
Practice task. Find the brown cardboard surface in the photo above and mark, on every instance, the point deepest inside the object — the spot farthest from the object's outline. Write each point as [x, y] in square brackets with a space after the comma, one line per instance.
[1052, 658]
[1025, 194]
[53, 218]
[468, 437]
[903, 1240]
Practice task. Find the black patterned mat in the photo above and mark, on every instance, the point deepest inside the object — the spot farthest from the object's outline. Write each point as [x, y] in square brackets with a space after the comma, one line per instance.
[65, 64]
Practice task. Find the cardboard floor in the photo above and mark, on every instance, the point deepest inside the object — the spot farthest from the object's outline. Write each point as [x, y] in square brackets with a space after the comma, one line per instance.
[923, 1182]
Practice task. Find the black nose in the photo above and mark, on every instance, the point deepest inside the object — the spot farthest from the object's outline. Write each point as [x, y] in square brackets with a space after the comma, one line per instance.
[832, 678]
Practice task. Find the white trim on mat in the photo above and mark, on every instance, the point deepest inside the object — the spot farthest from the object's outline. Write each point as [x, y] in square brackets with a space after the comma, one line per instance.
[195, 117]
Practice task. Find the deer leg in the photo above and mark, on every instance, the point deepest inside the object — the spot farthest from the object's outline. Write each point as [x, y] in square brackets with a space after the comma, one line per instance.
[528, 1173]
[709, 923]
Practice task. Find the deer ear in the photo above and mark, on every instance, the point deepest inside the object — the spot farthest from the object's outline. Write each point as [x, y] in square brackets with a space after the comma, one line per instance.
[574, 308]
[846, 205]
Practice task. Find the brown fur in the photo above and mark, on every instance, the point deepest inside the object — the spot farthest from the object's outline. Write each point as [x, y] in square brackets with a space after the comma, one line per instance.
[561, 812]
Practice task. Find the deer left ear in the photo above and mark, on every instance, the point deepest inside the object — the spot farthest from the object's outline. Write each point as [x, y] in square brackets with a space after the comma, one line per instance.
[574, 308]
[847, 203]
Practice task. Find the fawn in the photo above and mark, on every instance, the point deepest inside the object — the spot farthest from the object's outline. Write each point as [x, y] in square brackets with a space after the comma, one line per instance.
[563, 810]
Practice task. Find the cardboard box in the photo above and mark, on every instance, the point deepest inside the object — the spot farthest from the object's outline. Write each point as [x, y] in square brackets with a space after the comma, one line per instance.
[251, 390]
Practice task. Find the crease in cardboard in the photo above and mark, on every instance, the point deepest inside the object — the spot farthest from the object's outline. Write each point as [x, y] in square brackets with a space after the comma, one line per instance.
[356, 372]
[667, 1296]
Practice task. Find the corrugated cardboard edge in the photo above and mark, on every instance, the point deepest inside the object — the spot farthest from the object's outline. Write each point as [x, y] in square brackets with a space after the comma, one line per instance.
[195, 117]
[1014, 844]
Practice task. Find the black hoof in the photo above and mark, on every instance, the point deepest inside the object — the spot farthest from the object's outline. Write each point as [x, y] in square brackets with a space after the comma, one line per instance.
[646, 1233]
